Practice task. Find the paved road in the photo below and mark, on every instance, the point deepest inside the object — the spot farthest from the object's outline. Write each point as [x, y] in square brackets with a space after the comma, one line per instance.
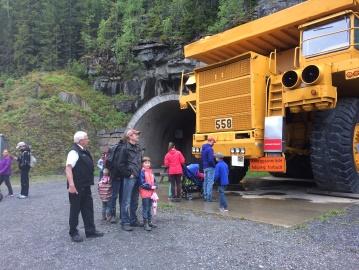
[34, 235]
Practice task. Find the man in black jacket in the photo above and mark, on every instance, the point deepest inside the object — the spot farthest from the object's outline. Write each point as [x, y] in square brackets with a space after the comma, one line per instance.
[80, 177]
[24, 165]
[128, 165]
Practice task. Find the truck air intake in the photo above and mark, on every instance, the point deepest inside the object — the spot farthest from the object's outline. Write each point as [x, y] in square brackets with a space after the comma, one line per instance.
[310, 74]
[290, 79]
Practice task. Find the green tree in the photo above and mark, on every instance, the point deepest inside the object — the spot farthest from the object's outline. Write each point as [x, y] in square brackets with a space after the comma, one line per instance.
[27, 37]
[94, 11]
[179, 21]
[109, 30]
[6, 36]
[131, 30]
[232, 13]
[50, 37]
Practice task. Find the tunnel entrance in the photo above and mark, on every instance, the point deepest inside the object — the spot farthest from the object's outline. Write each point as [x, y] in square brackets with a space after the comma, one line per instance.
[161, 120]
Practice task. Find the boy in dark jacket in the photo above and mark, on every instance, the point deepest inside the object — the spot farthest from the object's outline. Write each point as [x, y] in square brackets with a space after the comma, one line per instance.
[221, 175]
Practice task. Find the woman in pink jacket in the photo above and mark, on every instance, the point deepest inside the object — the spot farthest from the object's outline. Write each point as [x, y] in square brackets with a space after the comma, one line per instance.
[174, 161]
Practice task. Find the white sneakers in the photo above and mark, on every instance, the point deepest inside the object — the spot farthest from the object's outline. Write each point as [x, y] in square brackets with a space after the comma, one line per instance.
[22, 196]
[223, 210]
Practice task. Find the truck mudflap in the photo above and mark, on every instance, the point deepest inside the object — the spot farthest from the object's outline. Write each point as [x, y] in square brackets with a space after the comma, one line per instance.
[268, 164]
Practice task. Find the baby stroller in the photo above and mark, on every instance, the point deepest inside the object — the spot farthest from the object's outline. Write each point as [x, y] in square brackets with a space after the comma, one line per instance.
[192, 181]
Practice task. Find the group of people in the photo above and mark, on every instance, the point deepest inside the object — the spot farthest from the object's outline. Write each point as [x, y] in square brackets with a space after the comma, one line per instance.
[24, 161]
[129, 174]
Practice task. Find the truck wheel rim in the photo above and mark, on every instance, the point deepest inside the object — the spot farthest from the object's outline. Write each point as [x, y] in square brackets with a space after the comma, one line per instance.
[356, 146]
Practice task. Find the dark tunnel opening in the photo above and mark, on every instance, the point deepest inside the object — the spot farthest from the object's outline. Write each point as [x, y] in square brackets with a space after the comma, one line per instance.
[163, 123]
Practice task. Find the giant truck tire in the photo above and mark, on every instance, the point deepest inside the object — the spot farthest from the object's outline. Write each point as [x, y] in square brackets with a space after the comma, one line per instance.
[236, 174]
[298, 166]
[334, 146]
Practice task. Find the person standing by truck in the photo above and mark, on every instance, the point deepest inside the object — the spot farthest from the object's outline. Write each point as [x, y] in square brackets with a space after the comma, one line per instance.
[209, 164]
[221, 176]
[174, 161]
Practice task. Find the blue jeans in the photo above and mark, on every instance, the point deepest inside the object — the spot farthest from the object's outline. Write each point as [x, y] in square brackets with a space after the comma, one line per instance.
[129, 203]
[146, 208]
[116, 192]
[222, 197]
[106, 209]
[208, 183]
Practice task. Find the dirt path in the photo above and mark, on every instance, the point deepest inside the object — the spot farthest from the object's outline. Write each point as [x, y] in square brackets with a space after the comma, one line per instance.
[34, 234]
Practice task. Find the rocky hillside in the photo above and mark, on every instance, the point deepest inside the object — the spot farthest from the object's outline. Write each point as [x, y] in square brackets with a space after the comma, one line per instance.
[45, 109]
[159, 66]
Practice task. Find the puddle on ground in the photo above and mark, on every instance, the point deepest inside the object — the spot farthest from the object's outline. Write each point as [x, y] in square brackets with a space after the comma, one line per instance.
[287, 205]
[298, 199]
[272, 193]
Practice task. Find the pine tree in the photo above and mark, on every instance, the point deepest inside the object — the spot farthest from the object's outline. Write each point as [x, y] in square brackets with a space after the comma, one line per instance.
[132, 28]
[27, 37]
[95, 12]
[6, 36]
[49, 37]
[109, 29]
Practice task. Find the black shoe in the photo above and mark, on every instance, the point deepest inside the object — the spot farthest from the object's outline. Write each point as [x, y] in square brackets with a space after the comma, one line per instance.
[136, 224]
[126, 227]
[114, 220]
[151, 224]
[147, 226]
[76, 238]
[94, 234]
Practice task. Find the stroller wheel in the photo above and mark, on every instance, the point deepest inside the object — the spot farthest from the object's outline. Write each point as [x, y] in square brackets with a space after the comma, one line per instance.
[1, 196]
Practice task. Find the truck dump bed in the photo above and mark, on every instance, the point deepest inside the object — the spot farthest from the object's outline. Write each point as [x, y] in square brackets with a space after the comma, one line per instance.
[276, 31]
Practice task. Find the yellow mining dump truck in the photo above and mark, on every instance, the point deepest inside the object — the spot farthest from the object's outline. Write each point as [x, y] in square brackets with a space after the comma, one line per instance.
[281, 94]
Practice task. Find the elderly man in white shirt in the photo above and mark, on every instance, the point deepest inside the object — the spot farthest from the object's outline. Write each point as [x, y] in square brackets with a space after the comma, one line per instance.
[80, 177]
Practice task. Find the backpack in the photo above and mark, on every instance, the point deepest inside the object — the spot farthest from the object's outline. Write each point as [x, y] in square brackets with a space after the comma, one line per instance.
[110, 162]
[33, 161]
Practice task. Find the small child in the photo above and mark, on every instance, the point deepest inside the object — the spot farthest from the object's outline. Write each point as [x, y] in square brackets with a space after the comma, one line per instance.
[105, 192]
[147, 187]
[221, 175]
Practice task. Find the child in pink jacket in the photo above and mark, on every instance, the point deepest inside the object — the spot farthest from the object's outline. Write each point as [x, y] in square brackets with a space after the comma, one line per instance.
[147, 188]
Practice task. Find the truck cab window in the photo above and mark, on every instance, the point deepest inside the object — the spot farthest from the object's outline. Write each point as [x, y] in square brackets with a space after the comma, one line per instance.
[356, 33]
[325, 38]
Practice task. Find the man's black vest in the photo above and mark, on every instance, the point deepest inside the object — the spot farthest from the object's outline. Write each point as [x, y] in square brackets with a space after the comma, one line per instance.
[83, 172]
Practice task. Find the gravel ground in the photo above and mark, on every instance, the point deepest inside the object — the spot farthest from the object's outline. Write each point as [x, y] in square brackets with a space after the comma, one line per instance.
[34, 235]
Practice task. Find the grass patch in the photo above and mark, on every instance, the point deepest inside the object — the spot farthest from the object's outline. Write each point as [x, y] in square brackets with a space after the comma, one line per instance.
[15, 179]
[165, 206]
[32, 111]
[330, 214]
[302, 226]
[250, 174]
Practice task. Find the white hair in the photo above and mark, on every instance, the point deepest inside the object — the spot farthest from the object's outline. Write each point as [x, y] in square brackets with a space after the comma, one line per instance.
[79, 135]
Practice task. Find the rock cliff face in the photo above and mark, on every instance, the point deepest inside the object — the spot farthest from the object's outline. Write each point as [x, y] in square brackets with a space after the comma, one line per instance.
[266, 7]
[161, 67]
[161, 74]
